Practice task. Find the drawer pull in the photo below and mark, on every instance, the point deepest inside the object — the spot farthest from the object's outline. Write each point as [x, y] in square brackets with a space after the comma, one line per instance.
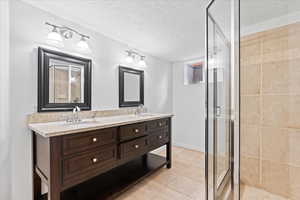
[136, 146]
[95, 160]
[136, 130]
[160, 137]
[95, 140]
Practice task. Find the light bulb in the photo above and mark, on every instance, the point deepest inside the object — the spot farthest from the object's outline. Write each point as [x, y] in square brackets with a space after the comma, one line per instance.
[129, 57]
[54, 38]
[83, 45]
[142, 61]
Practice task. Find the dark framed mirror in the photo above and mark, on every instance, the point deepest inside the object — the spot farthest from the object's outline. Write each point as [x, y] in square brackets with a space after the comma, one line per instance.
[64, 81]
[131, 87]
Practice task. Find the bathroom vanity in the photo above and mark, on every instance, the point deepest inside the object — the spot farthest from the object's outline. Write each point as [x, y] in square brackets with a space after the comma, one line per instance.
[98, 158]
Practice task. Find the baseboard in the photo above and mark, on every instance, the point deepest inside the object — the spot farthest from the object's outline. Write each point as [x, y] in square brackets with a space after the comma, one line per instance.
[188, 146]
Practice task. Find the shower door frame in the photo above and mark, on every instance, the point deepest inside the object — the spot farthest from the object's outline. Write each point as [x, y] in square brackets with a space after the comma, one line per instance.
[233, 173]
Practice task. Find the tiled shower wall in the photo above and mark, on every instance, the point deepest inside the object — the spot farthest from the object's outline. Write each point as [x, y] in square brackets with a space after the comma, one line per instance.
[270, 110]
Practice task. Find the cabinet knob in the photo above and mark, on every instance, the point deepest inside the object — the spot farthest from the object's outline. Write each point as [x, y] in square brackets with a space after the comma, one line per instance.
[95, 139]
[160, 124]
[136, 146]
[136, 130]
[160, 137]
[95, 160]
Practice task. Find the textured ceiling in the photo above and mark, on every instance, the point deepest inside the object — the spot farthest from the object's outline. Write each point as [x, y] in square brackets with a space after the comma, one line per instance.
[170, 29]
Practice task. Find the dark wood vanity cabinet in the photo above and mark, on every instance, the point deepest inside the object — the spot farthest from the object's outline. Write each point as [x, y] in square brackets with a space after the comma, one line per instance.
[101, 163]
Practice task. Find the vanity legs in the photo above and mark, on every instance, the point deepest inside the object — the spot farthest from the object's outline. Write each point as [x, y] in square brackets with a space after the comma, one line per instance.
[169, 147]
[37, 187]
[169, 155]
[145, 158]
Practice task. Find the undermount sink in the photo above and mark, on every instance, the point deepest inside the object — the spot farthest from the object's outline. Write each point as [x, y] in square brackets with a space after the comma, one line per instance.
[83, 121]
[145, 115]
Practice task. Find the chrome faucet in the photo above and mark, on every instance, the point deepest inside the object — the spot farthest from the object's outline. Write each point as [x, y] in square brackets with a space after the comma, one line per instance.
[139, 110]
[75, 116]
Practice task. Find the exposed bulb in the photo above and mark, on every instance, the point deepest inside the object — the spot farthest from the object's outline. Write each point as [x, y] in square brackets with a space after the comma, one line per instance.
[83, 45]
[142, 61]
[54, 38]
[129, 58]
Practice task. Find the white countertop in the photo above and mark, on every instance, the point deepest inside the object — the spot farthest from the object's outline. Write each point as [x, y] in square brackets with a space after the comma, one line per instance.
[51, 129]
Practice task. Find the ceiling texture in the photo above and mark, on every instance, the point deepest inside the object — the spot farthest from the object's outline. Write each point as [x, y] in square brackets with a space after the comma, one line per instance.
[173, 30]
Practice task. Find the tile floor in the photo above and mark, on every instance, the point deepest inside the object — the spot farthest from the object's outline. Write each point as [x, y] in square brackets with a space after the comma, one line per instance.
[252, 193]
[185, 181]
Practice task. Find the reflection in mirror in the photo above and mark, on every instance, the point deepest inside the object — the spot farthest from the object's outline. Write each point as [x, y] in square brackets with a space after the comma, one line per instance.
[66, 82]
[131, 87]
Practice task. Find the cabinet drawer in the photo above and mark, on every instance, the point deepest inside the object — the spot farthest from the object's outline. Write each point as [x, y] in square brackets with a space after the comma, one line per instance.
[132, 131]
[85, 141]
[134, 148]
[158, 124]
[97, 160]
[158, 139]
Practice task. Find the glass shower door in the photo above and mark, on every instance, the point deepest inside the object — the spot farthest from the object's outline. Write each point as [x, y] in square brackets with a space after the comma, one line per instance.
[220, 102]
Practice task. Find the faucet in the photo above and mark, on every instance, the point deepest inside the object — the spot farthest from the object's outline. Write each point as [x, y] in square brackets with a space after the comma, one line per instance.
[139, 110]
[75, 117]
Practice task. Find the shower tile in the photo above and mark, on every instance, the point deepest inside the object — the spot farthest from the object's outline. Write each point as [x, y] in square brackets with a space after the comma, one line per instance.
[275, 77]
[275, 47]
[294, 147]
[250, 107]
[294, 111]
[294, 183]
[275, 110]
[250, 171]
[250, 141]
[275, 178]
[250, 80]
[251, 52]
[294, 74]
[274, 144]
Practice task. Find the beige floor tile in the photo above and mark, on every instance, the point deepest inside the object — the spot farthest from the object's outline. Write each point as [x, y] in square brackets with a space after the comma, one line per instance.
[184, 181]
[252, 193]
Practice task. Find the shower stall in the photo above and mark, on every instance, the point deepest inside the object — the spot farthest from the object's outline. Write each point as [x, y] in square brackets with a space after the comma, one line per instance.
[253, 100]
[270, 99]
[222, 100]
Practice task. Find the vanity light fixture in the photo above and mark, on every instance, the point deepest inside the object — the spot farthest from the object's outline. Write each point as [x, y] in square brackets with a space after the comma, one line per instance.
[142, 61]
[132, 55]
[83, 45]
[55, 37]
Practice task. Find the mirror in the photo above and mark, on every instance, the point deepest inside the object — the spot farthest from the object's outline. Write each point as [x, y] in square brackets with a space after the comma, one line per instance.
[64, 81]
[131, 87]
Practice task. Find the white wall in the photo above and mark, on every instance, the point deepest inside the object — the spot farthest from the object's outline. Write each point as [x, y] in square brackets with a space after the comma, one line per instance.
[5, 135]
[27, 33]
[189, 109]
